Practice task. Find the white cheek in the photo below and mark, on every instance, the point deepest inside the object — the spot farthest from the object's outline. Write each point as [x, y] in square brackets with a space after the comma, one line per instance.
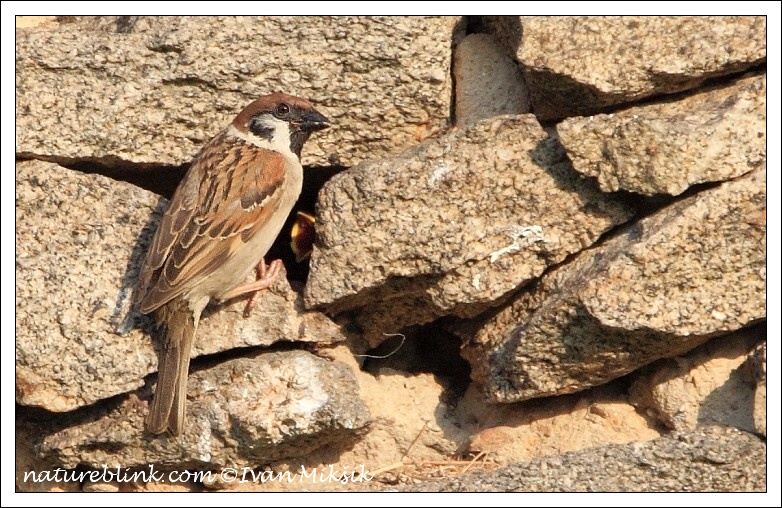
[282, 137]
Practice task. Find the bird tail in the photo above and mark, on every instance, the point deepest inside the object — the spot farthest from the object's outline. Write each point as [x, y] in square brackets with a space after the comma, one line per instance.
[167, 411]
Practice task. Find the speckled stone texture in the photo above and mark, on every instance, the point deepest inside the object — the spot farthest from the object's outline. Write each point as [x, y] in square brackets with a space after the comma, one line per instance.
[80, 244]
[665, 148]
[662, 286]
[452, 226]
[711, 459]
[610, 235]
[243, 412]
[488, 82]
[707, 385]
[757, 365]
[511, 433]
[154, 89]
[578, 65]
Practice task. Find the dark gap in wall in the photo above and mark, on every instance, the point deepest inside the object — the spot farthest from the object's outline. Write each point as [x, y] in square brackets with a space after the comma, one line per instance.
[645, 206]
[314, 179]
[428, 348]
[161, 179]
[205, 362]
[164, 179]
[54, 421]
[707, 85]
[460, 31]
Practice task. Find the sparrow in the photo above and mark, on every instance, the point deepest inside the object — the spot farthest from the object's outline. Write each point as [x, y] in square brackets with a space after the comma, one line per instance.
[221, 221]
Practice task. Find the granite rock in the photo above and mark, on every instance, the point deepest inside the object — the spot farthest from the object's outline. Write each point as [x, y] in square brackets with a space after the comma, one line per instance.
[660, 287]
[667, 147]
[709, 459]
[453, 226]
[757, 366]
[707, 385]
[241, 413]
[488, 82]
[580, 65]
[153, 90]
[80, 244]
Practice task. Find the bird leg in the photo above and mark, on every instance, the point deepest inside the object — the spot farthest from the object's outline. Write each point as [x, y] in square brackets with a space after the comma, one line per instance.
[266, 276]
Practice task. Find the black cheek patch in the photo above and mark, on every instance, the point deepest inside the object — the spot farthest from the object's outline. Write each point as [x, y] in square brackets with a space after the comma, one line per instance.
[260, 129]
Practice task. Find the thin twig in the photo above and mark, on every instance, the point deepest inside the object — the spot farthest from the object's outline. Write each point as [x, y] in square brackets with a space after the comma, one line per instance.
[385, 469]
[483, 453]
[445, 462]
[383, 357]
[420, 433]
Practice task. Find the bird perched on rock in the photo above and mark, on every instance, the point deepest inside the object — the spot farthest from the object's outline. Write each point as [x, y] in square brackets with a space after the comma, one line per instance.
[220, 223]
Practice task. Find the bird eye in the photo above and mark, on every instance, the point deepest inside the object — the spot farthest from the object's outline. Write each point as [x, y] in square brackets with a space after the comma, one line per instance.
[282, 110]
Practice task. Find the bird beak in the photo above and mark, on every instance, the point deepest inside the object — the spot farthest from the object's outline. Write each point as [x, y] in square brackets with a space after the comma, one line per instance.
[313, 121]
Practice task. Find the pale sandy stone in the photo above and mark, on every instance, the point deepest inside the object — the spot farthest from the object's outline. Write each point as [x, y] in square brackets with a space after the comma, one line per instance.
[579, 65]
[666, 148]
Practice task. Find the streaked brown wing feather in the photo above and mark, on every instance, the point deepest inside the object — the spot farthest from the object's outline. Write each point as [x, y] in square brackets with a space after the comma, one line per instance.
[221, 203]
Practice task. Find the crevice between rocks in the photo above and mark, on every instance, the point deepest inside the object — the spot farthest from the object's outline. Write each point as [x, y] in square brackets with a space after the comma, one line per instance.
[209, 361]
[701, 84]
[707, 84]
[163, 179]
[57, 421]
[460, 31]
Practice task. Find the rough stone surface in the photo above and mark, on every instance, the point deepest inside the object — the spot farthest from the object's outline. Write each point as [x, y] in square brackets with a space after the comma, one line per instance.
[27, 435]
[707, 385]
[154, 89]
[488, 82]
[578, 65]
[452, 226]
[511, 433]
[757, 366]
[36, 21]
[667, 147]
[693, 270]
[460, 225]
[412, 419]
[80, 244]
[101, 486]
[243, 412]
[710, 459]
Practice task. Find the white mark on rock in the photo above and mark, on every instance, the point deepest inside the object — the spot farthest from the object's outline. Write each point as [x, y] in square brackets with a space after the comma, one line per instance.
[522, 236]
[204, 441]
[312, 396]
[441, 170]
[122, 312]
[476, 281]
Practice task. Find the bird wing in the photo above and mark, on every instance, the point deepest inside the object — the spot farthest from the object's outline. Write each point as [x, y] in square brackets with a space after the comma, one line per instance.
[223, 201]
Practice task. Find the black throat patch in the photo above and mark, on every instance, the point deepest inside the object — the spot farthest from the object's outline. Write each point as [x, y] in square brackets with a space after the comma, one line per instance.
[298, 138]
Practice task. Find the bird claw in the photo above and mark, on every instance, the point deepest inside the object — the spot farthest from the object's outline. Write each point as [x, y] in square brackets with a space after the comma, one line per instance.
[266, 276]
